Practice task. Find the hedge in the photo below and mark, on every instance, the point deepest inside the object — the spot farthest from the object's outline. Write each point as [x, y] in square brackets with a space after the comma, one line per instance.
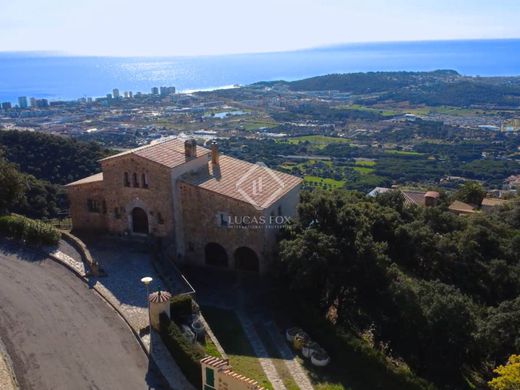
[181, 306]
[185, 354]
[367, 367]
[32, 231]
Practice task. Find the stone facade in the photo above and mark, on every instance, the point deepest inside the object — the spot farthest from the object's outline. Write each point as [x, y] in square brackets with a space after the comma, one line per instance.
[182, 193]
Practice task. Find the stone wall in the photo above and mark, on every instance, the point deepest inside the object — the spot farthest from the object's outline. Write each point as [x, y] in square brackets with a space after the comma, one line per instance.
[202, 212]
[84, 219]
[155, 200]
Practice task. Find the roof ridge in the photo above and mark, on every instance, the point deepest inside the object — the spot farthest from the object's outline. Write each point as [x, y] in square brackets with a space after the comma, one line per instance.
[143, 147]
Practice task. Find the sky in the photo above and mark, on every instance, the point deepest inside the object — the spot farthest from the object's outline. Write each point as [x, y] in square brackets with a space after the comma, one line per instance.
[207, 27]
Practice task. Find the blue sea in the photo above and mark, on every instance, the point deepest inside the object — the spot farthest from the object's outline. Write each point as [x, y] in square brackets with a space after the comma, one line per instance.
[65, 77]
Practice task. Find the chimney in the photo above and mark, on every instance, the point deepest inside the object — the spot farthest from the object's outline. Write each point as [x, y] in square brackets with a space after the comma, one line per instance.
[214, 153]
[431, 198]
[190, 147]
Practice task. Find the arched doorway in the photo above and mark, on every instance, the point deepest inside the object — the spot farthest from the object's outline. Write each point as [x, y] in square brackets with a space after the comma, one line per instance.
[139, 221]
[216, 255]
[246, 259]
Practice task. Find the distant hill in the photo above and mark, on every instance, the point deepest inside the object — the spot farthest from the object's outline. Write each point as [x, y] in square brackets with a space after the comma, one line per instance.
[56, 159]
[440, 87]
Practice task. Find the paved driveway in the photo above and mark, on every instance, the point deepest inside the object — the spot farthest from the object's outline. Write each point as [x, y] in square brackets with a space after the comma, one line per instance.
[62, 336]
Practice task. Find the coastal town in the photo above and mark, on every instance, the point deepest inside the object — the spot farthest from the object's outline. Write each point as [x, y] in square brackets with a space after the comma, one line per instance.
[215, 225]
[328, 137]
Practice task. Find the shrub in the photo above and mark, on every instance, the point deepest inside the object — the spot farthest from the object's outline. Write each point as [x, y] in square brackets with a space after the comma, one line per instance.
[367, 367]
[186, 354]
[181, 306]
[33, 231]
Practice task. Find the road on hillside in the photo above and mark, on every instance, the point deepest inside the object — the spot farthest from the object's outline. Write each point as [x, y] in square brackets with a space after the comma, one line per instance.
[60, 335]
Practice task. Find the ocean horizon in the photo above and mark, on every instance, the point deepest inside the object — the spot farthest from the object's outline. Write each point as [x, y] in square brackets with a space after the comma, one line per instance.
[62, 77]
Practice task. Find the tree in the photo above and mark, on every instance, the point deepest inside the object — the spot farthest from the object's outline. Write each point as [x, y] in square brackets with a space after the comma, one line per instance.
[471, 192]
[11, 186]
[508, 375]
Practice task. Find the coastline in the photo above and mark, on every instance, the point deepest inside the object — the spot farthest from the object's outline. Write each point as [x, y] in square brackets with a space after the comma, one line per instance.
[62, 77]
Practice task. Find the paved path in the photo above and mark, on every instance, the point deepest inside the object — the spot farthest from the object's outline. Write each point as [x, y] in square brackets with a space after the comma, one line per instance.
[227, 291]
[125, 264]
[61, 336]
[298, 373]
[260, 352]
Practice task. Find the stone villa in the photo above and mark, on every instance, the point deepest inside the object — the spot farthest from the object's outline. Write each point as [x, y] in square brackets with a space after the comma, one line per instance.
[207, 208]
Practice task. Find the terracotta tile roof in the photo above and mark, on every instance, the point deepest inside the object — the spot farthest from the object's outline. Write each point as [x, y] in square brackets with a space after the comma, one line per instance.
[491, 202]
[159, 297]
[252, 183]
[413, 197]
[98, 177]
[169, 153]
[216, 362]
[461, 207]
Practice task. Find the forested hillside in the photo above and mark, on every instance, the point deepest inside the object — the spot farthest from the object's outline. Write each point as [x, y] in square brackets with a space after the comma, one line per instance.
[35, 166]
[437, 292]
[441, 87]
[52, 158]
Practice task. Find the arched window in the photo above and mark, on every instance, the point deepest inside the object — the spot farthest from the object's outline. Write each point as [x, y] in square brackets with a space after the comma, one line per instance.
[215, 255]
[246, 259]
[136, 182]
[127, 180]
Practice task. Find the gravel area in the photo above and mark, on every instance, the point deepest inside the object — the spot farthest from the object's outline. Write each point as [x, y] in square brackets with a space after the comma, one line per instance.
[7, 382]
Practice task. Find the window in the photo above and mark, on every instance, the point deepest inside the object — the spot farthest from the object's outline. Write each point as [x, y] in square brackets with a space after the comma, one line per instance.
[104, 206]
[136, 182]
[144, 180]
[93, 206]
[160, 219]
[223, 220]
[117, 213]
[279, 210]
[210, 377]
[127, 180]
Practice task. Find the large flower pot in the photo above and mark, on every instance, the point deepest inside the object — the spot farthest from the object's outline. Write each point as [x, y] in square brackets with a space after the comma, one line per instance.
[308, 349]
[198, 327]
[320, 358]
[291, 333]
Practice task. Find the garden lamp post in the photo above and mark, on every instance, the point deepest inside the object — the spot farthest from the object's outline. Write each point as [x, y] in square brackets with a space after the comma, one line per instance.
[146, 281]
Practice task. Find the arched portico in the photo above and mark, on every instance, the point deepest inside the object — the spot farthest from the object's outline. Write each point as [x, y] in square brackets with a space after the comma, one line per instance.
[246, 259]
[215, 255]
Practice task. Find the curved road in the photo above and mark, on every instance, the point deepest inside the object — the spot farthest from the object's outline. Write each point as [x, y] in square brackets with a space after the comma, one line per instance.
[62, 336]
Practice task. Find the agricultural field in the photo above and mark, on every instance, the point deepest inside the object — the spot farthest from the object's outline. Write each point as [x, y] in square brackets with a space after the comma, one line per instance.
[315, 181]
[320, 141]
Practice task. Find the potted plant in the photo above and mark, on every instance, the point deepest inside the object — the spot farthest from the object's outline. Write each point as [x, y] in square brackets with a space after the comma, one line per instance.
[320, 358]
[309, 347]
[291, 333]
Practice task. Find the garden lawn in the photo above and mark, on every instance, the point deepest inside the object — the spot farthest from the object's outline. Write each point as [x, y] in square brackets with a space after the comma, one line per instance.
[228, 330]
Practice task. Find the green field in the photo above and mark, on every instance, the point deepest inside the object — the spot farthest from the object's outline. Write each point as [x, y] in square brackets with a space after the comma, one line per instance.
[363, 170]
[402, 152]
[228, 330]
[323, 182]
[365, 163]
[358, 107]
[319, 140]
[255, 125]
